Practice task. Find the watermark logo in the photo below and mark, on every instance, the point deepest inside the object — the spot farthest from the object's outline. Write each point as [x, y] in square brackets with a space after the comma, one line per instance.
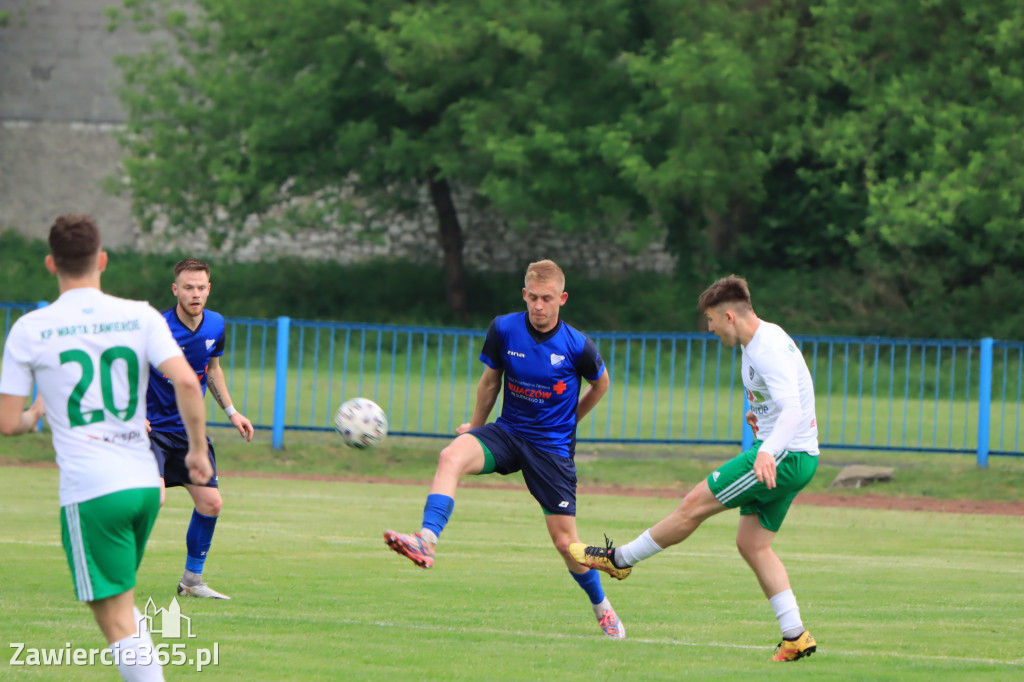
[170, 621]
[167, 622]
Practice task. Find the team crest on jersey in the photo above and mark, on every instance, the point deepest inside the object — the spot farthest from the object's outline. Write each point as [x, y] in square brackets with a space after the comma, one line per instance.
[751, 373]
[556, 360]
[209, 343]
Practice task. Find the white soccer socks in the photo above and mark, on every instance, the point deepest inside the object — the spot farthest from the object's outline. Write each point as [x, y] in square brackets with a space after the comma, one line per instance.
[631, 553]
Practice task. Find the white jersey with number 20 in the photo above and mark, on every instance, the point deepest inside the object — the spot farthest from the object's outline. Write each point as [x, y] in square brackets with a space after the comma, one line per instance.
[89, 354]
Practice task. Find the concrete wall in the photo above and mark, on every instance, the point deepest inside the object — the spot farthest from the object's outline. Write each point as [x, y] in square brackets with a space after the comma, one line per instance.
[58, 112]
[56, 61]
[49, 168]
[58, 119]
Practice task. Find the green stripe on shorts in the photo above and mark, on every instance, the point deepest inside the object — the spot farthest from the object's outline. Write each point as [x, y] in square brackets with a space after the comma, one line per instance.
[489, 464]
[104, 539]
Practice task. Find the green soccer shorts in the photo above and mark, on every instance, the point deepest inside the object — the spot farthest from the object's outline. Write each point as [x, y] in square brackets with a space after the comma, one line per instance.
[104, 539]
[735, 485]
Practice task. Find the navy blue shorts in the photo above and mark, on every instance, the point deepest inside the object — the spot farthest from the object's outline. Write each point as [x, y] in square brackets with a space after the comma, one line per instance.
[550, 478]
[170, 449]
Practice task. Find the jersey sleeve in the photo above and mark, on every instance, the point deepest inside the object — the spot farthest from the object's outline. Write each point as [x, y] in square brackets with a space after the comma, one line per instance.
[491, 355]
[590, 365]
[16, 372]
[160, 343]
[218, 347]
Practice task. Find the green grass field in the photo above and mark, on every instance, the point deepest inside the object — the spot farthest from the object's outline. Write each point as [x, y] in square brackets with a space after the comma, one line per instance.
[316, 595]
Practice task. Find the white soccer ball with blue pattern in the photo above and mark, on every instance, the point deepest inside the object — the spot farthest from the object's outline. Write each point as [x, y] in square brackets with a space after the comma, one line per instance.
[361, 423]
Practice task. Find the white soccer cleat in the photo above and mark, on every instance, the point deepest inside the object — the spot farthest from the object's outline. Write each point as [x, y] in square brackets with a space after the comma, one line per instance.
[202, 590]
[610, 624]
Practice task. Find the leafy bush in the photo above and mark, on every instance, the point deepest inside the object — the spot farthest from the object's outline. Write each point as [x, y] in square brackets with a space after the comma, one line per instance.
[804, 301]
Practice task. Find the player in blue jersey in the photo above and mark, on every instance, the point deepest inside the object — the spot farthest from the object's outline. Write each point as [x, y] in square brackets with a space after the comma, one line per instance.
[200, 333]
[540, 363]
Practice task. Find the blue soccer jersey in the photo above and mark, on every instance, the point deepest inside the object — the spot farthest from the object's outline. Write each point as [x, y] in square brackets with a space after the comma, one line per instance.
[541, 382]
[206, 342]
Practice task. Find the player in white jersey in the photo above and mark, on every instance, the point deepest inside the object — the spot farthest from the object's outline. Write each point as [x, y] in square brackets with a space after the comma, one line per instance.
[89, 353]
[761, 481]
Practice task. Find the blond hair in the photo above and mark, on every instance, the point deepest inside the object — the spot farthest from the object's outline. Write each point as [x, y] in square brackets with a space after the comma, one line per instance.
[545, 271]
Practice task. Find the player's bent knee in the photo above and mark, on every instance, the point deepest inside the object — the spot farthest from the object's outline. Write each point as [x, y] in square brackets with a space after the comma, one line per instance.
[750, 547]
[460, 458]
[209, 504]
[687, 510]
[562, 545]
[699, 504]
[449, 459]
[215, 506]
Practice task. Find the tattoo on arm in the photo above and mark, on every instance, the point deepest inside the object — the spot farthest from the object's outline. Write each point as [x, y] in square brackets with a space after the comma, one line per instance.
[212, 385]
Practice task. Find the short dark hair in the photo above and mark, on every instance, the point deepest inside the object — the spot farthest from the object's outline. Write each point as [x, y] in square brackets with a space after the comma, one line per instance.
[191, 265]
[74, 243]
[731, 289]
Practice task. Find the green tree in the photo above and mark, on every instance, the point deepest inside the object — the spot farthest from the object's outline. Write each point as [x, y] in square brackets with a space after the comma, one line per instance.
[877, 140]
[255, 103]
[876, 137]
[910, 117]
[697, 139]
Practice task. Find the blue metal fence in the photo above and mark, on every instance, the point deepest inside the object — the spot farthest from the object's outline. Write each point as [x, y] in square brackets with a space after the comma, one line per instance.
[925, 395]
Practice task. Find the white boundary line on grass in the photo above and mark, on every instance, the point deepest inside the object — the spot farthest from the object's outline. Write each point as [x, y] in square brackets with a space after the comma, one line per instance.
[676, 642]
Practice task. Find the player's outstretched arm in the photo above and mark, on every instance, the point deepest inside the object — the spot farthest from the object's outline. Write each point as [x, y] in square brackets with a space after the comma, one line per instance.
[219, 388]
[591, 395]
[486, 395]
[14, 418]
[189, 396]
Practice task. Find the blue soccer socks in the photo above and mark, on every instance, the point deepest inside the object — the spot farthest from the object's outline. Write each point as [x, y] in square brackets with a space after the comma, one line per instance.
[436, 513]
[591, 584]
[198, 540]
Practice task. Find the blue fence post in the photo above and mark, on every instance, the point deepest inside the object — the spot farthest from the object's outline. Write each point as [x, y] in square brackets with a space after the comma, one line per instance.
[748, 433]
[984, 401]
[280, 381]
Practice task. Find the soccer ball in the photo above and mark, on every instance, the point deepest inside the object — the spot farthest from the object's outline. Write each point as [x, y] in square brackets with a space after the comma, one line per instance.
[361, 423]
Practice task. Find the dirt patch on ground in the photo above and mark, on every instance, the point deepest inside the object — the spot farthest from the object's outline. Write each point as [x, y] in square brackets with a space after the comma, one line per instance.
[873, 501]
[859, 501]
